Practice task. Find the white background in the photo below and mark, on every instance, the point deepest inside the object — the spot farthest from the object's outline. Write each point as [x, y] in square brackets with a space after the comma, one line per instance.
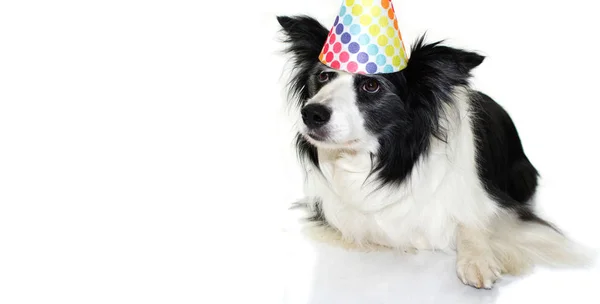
[145, 151]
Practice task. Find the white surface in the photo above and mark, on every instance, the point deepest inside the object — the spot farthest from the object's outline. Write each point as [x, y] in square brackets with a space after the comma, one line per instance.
[145, 157]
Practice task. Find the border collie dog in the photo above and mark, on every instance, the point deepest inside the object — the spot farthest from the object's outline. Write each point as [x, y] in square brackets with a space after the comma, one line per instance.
[418, 160]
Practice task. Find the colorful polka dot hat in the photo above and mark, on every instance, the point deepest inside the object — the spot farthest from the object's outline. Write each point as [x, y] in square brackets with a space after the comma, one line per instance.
[365, 39]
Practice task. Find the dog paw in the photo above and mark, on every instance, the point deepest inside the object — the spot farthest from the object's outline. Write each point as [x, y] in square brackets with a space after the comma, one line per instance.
[479, 271]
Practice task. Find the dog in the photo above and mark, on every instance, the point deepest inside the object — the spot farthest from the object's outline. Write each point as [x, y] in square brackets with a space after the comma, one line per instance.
[418, 160]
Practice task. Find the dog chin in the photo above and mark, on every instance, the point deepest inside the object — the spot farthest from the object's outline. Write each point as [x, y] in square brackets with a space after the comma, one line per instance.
[328, 143]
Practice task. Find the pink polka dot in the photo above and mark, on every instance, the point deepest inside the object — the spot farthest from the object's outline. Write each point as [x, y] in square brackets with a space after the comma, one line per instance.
[325, 48]
[329, 57]
[335, 65]
[352, 67]
[337, 47]
[344, 56]
[331, 38]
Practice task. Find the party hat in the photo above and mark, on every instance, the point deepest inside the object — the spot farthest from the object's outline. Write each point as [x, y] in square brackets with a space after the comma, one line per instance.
[365, 39]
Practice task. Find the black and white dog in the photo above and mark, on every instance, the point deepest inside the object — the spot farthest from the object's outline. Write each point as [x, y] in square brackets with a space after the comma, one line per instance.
[418, 160]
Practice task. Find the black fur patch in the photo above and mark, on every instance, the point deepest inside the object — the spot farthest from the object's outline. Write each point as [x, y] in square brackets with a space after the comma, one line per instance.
[306, 151]
[412, 116]
[305, 38]
[503, 167]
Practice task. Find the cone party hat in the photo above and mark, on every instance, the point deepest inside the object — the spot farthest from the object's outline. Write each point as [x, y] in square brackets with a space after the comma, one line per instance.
[365, 39]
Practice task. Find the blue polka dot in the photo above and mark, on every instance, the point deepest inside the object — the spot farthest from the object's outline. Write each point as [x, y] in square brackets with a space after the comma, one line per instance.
[388, 69]
[339, 29]
[371, 68]
[353, 47]
[337, 20]
[346, 38]
[380, 60]
[347, 20]
[343, 10]
[364, 39]
[354, 29]
[362, 57]
[372, 50]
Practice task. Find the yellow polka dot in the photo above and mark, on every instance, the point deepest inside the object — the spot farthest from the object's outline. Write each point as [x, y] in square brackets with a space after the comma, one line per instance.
[403, 56]
[389, 50]
[402, 64]
[396, 61]
[397, 42]
[357, 10]
[384, 21]
[382, 40]
[391, 32]
[376, 11]
[374, 30]
[367, 2]
[349, 2]
[365, 20]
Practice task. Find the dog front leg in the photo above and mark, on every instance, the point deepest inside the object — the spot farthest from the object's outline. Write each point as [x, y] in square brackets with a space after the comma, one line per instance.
[476, 264]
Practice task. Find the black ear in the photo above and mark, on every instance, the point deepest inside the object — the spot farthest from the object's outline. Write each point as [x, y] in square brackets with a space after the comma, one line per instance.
[435, 64]
[466, 61]
[304, 35]
[305, 38]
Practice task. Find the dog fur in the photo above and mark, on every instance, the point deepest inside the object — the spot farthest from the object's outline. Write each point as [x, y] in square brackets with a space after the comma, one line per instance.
[425, 162]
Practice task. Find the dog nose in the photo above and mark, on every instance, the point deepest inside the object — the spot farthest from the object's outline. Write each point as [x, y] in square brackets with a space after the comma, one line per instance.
[315, 115]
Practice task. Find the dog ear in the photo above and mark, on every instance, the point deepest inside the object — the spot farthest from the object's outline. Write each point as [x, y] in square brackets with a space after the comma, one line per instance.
[305, 37]
[435, 62]
[465, 61]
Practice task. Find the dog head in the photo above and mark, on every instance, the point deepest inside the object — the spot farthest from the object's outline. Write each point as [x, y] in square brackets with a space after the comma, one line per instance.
[389, 115]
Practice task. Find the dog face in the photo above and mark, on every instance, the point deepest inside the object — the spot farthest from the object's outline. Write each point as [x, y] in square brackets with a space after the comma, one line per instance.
[349, 111]
[392, 116]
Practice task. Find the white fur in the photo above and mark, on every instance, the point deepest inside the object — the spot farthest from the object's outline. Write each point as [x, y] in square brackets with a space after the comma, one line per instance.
[476, 264]
[519, 245]
[442, 205]
[346, 125]
[423, 211]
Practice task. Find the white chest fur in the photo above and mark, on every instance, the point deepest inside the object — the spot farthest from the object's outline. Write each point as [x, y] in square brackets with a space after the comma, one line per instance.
[422, 212]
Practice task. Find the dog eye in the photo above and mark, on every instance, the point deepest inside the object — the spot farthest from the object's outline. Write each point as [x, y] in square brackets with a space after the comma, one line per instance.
[323, 77]
[371, 86]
